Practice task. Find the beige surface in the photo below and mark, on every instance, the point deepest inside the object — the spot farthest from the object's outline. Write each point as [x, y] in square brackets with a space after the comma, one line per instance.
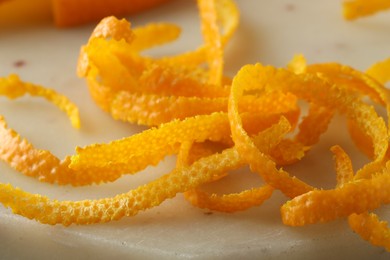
[271, 32]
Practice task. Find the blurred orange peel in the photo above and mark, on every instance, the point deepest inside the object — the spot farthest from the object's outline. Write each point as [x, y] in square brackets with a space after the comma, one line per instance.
[12, 87]
[355, 9]
[214, 125]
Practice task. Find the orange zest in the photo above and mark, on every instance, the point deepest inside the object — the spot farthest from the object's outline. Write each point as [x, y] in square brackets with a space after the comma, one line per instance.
[12, 87]
[354, 9]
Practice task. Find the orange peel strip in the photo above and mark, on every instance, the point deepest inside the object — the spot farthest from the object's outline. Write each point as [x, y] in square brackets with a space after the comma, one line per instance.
[354, 79]
[23, 157]
[154, 143]
[154, 34]
[314, 124]
[343, 165]
[43, 165]
[367, 225]
[354, 9]
[157, 110]
[380, 71]
[370, 228]
[324, 93]
[361, 140]
[229, 202]
[12, 87]
[307, 208]
[212, 38]
[258, 161]
[147, 196]
[227, 18]
[140, 75]
[351, 78]
[162, 79]
[370, 83]
[265, 141]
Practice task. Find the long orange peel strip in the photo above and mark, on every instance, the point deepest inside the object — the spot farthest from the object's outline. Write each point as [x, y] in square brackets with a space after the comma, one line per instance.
[354, 9]
[245, 199]
[367, 225]
[149, 195]
[12, 87]
[214, 125]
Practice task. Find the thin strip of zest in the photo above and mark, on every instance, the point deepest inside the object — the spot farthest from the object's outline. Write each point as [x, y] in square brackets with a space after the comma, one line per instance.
[371, 228]
[224, 203]
[167, 137]
[343, 165]
[265, 141]
[229, 202]
[354, 9]
[228, 20]
[380, 71]
[52, 212]
[212, 39]
[369, 83]
[258, 161]
[367, 225]
[12, 87]
[43, 165]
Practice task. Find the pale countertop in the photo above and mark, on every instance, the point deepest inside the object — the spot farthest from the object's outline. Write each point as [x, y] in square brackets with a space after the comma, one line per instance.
[270, 32]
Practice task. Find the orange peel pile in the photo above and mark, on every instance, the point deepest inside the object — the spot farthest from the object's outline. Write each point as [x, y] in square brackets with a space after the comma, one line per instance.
[214, 124]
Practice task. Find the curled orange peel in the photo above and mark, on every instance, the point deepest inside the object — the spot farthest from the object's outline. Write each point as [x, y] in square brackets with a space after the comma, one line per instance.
[265, 141]
[314, 206]
[377, 72]
[21, 155]
[258, 161]
[227, 202]
[232, 202]
[343, 166]
[312, 89]
[147, 196]
[367, 225]
[380, 71]
[354, 9]
[371, 228]
[12, 87]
